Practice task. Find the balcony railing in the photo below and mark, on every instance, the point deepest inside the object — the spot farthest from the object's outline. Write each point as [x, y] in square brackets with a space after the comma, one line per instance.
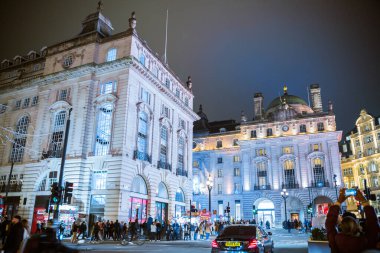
[141, 156]
[52, 154]
[164, 165]
[181, 172]
[320, 184]
[12, 187]
[262, 173]
[290, 185]
[262, 187]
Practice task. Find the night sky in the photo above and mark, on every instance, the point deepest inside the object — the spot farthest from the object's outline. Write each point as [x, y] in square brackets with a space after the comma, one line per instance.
[232, 49]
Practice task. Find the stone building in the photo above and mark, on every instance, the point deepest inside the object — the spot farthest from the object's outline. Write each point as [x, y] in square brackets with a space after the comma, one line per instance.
[361, 157]
[129, 147]
[289, 145]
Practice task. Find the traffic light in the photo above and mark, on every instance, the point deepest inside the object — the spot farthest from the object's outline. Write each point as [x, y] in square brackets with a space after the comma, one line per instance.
[310, 209]
[55, 193]
[254, 210]
[228, 209]
[68, 192]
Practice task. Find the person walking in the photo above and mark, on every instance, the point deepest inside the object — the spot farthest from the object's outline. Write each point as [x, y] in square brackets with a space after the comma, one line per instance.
[83, 229]
[26, 235]
[153, 231]
[15, 236]
[159, 229]
[74, 230]
[4, 228]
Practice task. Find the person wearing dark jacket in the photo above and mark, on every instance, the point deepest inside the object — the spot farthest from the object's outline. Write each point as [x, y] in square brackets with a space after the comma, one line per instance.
[350, 240]
[15, 236]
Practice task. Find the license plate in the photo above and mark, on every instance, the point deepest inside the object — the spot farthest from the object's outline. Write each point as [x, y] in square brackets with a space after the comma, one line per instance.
[232, 244]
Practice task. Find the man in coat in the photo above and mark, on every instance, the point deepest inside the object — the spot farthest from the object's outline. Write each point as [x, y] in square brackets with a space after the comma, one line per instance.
[15, 236]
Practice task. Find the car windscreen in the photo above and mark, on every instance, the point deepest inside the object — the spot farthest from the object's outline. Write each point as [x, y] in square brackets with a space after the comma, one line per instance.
[238, 231]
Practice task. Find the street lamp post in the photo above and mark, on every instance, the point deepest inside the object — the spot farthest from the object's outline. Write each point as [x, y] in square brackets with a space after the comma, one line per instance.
[209, 184]
[285, 195]
[336, 190]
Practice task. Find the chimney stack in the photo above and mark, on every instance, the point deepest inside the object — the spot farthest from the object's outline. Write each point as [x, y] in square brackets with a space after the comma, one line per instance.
[315, 96]
[258, 106]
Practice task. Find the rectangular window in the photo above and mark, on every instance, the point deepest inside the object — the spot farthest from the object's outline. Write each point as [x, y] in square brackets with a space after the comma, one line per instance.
[186, 101]
[220, 207]
[35, 101]
[219, 144]
[220, 189]
[236, 172]
[63, 95]
[111, 54]
[53, 177]
[3, 108]
[177, 93]
[145, 96]
[260, 152]
[195, 164]
[108, 88]
[378, 135]
[167, 83]
[165, 111]
[26, 102]
[253, 134]
[237, 188]
[316, 147]
[220, 173]
[368, 139]
[357, 143]
[370, 151]
[182, 124]
[18, 104]
[269, 132]
[320, 126]
[236, 159]
[100, 179]
[287, 150]
[302, 128]
[235, 142]
[220, 159]
[237, 210]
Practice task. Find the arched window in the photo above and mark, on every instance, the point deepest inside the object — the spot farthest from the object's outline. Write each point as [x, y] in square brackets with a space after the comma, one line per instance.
[180, 196]
[142, 137]
[163, 148]
[56, 141]
[289, 175]
[111, 54]
[139, 185]
[181, 161]
[162, 192]
[319, 173]
[19, 141]
[103, 129]
[262, 175]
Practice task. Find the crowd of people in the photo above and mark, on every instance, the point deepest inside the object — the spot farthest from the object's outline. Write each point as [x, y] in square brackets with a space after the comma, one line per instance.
[346, 233]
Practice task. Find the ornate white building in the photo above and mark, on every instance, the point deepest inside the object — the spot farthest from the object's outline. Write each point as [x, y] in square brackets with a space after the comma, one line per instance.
[287, 146]
[130, 140]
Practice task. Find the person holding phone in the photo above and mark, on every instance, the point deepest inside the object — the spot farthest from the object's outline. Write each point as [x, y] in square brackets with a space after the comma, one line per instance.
[351, 239]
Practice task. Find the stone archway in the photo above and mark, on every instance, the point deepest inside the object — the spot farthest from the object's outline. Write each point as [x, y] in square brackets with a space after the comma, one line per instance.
[265, 211]
[295, 209]
[320, 205]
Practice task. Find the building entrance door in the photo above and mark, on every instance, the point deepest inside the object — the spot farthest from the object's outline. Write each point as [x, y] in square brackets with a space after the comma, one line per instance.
[265, 212]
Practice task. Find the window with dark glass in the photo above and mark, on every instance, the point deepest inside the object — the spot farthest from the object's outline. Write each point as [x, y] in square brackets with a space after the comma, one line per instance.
[219, 144]
[320, 126]
[269, 132]
[302, 128]
[19, 140]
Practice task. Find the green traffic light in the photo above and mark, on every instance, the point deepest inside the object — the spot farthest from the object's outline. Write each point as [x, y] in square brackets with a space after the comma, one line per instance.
[55, 199]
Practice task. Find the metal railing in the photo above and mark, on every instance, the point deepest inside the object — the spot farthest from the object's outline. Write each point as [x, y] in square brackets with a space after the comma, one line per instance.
[262, 187]
[181, 172]
[320, 184]
[141, 156]
[294, 185]
[164, 165]
[16, 187]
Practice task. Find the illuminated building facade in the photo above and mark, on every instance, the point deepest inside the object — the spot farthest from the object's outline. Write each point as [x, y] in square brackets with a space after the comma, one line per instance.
[361, 157]
[290, 145]
[130, 142]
